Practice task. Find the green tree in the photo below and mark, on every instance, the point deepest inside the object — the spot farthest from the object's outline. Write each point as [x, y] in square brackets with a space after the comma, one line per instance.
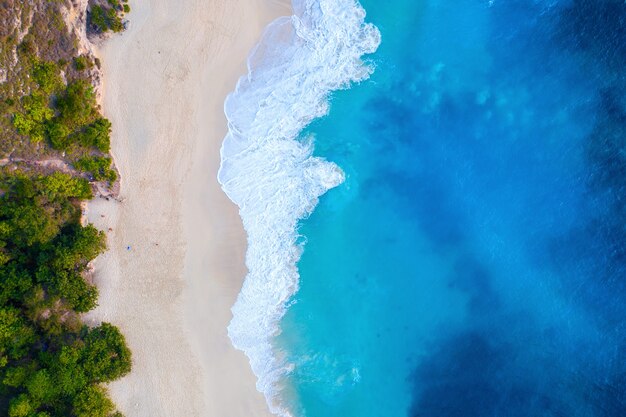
[16, 336]
[36, 114]
[42, 387]
[73, 288]
[99, 167]
[46, 75]
[58, 134]
[77, 105]
[97, 134]
[32, 224]
[106, 356]
[63, 186]
[69, 374]
[16, 376]
[82, 62]
[20, 406]
[76, 247]
[92, 402]
[15, 282]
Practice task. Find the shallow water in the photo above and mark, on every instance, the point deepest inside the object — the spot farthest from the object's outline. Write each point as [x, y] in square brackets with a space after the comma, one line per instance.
[473, 261]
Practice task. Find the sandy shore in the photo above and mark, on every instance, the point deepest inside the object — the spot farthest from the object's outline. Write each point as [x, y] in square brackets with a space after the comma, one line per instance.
[176, 258]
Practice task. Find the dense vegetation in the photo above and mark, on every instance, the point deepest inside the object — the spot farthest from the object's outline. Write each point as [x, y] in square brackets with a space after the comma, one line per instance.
[36, 56]
[48, 107]
[51, 364]
[65, 115]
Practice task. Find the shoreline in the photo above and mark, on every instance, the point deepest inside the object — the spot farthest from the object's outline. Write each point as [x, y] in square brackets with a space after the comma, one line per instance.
[175, 262]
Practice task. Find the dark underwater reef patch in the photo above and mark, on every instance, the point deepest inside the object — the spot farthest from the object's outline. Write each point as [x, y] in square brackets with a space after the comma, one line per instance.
[502, 363]
[597, 257]
[479, 374]
[597, 27]
[506, 361]
[473, 375]
[593, 254]
[421, 195]
[474, 279]
[606, 145]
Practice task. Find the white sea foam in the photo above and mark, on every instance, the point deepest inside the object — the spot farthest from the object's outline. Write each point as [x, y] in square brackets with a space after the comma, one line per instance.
[271, 174]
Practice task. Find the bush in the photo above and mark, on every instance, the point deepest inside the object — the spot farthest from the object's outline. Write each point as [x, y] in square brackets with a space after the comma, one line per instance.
[77, 119]
[16, 336]
[82, 63]
[63, 186]
[41, 386]
[77, 112]
[20, 406]
[99, 167]
[25, 125]
[97, 18]
[92, 402]
[106, 356]
[30, 225]
[77, 105]
[46, 75]
[58, 134]
[32, 122]
[97, 135]
[105, 19]
[37, 108]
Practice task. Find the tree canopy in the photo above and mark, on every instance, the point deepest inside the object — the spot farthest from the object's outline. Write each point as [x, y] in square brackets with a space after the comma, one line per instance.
[50, 363]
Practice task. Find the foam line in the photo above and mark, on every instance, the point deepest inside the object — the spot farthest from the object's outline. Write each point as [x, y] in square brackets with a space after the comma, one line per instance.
[270, 173]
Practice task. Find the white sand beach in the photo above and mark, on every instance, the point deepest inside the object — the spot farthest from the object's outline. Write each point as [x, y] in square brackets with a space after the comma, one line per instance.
[176, 246]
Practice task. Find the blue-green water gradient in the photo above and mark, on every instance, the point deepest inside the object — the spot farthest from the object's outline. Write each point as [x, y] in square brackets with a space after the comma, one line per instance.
[472, 264]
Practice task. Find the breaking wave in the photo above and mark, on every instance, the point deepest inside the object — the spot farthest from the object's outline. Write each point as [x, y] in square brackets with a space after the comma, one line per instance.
[270, 172]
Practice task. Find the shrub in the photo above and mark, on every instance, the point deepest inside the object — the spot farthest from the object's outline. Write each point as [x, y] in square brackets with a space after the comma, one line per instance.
[36, 106]
[24, 124]
[99, 167]
[97, 18]
[32, 122]
[15, 334]
[46, 75]
[20, 406]
[97, 135]
[81, 63]
[105, 19]
[63, 186]
[77, 105]
[58, 134]
[30, 225]
[41, 386]
[106, 356]
[92, 402]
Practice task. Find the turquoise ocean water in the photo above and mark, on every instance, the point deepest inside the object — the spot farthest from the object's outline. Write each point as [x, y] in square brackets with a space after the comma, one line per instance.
[473, 262]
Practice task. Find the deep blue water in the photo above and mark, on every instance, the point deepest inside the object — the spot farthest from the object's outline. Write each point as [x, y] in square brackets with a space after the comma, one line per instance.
[473, 264]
